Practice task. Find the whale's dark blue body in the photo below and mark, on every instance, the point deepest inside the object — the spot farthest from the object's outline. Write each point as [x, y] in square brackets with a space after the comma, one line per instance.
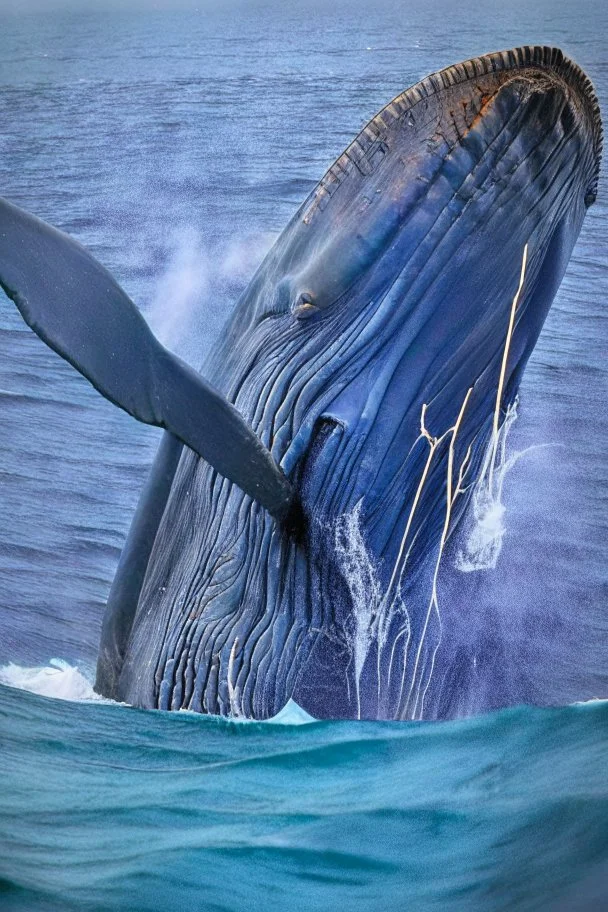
[373, 356]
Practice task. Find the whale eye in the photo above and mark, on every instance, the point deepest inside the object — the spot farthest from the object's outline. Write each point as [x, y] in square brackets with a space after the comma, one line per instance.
[305, 306]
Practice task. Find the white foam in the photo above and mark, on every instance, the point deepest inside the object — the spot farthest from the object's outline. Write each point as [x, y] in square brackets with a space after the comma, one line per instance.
[373, 611]
[483, 539]
[487, 524]
[58, 679]
[360, 576]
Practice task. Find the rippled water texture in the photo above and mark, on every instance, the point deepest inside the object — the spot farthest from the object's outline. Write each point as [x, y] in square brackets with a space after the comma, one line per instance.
[145, 811]
[176, 144]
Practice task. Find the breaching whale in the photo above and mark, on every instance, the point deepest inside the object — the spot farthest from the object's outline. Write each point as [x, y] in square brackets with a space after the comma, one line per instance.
[288, 542]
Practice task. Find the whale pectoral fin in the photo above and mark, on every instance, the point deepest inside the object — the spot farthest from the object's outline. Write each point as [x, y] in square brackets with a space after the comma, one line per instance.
[76, 307]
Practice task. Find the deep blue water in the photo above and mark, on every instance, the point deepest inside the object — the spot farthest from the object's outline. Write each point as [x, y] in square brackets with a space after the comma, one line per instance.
[176, 145]
[144, 811]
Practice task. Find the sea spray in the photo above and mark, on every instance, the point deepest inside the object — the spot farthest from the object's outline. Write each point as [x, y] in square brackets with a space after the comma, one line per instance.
[374, 613]
[485, 524]
[58, 679]
[362, 581]
[484, 533]
[194, 278]
[180, 289]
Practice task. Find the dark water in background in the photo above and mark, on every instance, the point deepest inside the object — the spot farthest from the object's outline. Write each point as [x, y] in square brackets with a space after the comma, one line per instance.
[176, 145]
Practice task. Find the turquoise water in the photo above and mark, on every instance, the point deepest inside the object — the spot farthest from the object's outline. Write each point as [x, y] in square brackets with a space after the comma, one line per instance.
[107, 807]
[176, 145]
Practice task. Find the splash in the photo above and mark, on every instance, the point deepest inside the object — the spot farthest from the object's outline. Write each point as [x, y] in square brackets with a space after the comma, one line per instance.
[375, 614]
[194, 272]
[364, 587]
[291, 714]
[58, 679]
[483, 542]
[179, 290]
[233, 688]
[63, 681]
[373, 611]
[243, 255]
[452, 493]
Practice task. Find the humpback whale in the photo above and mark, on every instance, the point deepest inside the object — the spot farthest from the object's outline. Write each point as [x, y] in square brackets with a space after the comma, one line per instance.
[289, 540]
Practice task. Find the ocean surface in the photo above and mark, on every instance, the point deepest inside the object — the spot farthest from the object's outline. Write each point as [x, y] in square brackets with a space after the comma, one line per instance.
[176, 143]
